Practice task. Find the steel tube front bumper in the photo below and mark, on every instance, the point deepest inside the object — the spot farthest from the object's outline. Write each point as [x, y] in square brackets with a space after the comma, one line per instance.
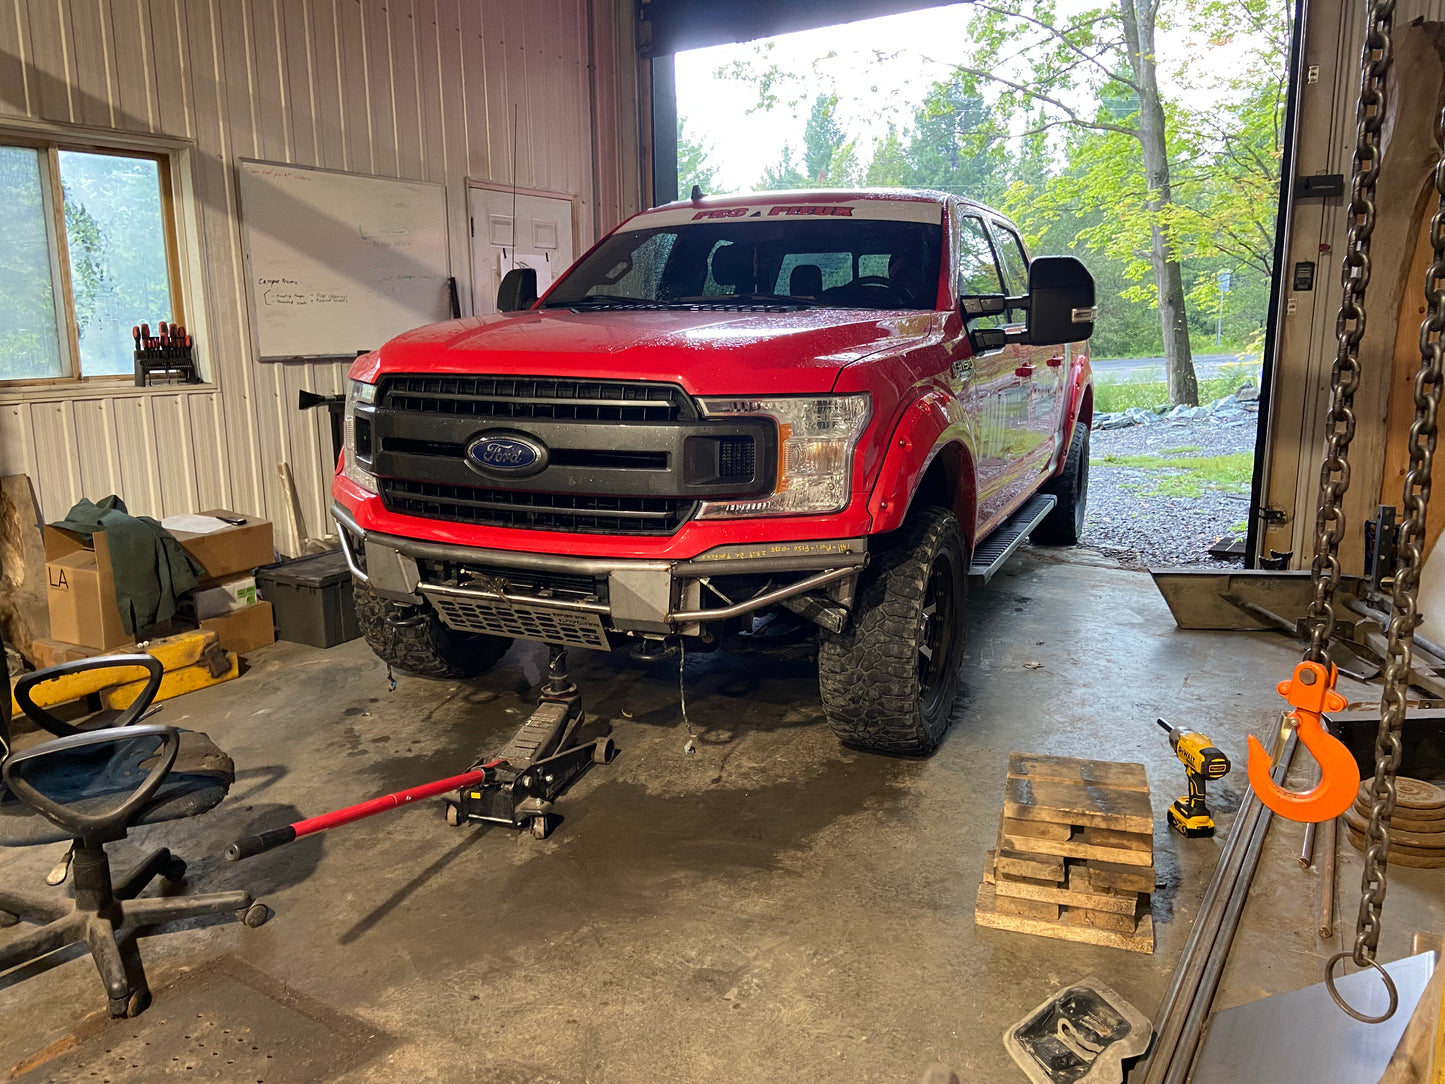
[660, 596]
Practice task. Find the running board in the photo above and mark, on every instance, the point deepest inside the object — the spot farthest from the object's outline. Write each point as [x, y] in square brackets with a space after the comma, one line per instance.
[999, 546]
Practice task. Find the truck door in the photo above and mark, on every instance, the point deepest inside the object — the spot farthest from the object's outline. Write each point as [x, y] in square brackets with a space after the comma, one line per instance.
[1043, 369]
[987, 384]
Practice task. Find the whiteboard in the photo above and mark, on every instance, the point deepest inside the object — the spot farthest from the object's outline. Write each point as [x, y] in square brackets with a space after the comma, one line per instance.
[340, 262]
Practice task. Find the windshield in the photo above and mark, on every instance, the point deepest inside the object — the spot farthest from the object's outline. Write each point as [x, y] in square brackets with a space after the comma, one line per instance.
[830, 263]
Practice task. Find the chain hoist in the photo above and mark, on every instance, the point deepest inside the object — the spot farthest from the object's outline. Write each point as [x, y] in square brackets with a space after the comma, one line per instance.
[1404, 615]
[1334, 482]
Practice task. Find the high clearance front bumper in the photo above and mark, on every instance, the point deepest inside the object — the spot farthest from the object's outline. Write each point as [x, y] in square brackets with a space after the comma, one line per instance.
[579, 601]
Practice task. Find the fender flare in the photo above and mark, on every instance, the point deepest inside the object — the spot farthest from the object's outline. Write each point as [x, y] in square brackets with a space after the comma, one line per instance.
[931, 423]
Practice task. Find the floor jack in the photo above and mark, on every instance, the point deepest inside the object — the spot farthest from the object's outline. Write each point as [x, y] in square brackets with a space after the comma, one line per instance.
[541, 761]
[517, 787]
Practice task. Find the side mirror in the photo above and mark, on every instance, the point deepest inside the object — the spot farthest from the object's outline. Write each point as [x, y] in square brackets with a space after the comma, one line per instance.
[1061, 301]
[518, 290]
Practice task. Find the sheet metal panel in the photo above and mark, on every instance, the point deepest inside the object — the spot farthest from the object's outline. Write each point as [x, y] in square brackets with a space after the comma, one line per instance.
[414, 88]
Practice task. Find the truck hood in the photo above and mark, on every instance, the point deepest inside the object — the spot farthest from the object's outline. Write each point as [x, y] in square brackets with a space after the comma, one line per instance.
[707, 352]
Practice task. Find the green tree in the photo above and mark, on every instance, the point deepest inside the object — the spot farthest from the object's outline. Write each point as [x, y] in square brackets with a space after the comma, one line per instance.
[782, 174]
[1105, 49]
[694, 165]
[823, 138]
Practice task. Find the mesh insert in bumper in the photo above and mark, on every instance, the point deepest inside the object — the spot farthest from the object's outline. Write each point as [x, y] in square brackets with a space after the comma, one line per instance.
[569, 628]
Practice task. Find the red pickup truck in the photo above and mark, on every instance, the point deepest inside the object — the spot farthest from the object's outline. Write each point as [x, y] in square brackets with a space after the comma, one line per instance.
[756, 421]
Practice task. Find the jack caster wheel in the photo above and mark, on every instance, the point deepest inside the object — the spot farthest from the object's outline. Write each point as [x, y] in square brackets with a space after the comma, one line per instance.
[454, 814]
[130, 1007]
[174, 871]
[254, 916]
[540, 827]
[602, 751]
[8, 919]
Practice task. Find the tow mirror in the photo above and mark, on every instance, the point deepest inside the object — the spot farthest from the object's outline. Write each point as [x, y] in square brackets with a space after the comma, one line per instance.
[1061, 301]
[518, 290]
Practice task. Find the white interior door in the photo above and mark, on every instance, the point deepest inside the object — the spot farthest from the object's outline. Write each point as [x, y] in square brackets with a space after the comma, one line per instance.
[543, 240]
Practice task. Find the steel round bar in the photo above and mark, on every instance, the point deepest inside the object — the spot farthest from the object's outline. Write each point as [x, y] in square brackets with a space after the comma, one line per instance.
[1325, 907]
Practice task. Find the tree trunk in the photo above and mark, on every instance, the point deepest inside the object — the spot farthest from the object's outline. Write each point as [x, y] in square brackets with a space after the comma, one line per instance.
[1168, 280]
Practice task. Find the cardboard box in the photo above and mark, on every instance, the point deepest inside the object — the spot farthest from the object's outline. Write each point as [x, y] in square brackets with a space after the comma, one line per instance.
[234, 594]
[243, 631]
[231, 551]
[81, 591]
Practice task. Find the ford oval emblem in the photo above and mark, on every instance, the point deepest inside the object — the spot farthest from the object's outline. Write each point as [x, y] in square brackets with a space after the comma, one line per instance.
[506, 453]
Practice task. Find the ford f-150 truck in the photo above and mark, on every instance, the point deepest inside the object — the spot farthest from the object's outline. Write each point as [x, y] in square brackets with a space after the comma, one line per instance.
[732, 420]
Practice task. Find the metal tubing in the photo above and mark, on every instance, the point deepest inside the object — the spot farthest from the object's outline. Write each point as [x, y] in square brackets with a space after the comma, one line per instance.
[1325, 907]
[757, 602]
[1307, 849]
[1364, 609]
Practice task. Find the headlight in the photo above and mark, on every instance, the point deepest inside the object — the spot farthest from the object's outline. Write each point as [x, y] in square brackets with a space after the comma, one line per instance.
[357, 433]
[816, 438]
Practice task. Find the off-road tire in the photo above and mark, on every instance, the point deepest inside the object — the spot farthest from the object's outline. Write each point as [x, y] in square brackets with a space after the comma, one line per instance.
[1065, 524]
[427, 648]
[871, 675]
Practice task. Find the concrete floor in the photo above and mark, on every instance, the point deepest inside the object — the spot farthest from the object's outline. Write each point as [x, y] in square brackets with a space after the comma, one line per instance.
[772, 908]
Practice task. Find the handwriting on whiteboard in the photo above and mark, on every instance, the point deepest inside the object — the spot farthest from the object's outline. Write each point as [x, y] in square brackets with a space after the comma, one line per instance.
[283, 293]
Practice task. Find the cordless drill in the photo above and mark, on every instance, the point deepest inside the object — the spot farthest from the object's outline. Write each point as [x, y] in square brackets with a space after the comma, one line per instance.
[1190, 816]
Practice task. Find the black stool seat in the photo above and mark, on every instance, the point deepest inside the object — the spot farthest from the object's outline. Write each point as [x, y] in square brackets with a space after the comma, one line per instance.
[95, 780]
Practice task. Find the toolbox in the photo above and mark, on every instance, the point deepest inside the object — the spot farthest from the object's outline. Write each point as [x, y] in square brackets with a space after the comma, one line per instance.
[312, 599]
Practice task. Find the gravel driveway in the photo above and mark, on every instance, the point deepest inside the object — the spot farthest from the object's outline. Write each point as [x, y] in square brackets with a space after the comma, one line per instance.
[1140, 528]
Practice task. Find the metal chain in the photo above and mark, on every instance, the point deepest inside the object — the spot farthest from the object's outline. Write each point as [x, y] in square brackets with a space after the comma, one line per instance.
[1409, 557]
[1349, 328]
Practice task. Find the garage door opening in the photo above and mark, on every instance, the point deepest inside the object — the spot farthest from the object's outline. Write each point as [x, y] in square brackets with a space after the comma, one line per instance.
[1048, 118]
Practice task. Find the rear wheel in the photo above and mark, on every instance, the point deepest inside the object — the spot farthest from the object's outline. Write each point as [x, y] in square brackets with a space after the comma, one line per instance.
[420, 644]
[889, 679]
[1065, 524]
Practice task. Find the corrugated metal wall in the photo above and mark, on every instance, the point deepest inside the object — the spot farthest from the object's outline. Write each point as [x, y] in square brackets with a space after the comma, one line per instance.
[421, 89]
[1334, 36]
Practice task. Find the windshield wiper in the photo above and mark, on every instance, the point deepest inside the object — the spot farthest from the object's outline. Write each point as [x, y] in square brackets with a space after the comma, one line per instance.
[749, 299]
[602, 301]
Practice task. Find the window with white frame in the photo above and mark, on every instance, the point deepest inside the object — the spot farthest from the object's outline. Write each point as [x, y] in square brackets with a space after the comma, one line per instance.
[87, 251]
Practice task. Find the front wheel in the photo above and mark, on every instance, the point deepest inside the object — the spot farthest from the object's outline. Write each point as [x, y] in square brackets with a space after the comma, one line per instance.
[1064, 525]
[889, 679]
[421, 644]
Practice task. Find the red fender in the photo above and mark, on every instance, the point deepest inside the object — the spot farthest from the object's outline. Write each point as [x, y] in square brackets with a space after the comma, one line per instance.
[929, 423]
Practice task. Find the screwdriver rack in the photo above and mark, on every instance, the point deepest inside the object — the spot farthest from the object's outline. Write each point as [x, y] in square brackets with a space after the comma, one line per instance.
[166, 358]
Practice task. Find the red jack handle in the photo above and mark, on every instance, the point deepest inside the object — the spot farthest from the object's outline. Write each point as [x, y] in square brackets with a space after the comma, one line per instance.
[276, 837]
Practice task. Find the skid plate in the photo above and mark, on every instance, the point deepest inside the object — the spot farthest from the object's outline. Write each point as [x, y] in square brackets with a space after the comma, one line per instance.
[570, 628]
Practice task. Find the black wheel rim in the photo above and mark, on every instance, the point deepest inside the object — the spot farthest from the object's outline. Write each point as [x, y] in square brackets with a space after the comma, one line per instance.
[937, 630]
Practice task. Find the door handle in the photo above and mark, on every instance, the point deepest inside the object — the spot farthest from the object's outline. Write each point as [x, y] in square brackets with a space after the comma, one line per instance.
[1056, 361]
[1024, 370]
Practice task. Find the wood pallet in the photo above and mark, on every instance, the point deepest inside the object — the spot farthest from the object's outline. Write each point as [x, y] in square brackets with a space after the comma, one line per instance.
[1075, 854]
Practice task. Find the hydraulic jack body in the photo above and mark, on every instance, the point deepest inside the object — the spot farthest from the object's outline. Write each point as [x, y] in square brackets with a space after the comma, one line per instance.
[524, 778]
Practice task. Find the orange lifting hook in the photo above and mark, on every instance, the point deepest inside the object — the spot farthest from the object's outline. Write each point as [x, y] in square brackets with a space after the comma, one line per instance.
[1310, 693]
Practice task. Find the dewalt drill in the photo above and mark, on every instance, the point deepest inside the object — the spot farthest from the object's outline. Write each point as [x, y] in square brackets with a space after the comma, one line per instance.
[1190, 816]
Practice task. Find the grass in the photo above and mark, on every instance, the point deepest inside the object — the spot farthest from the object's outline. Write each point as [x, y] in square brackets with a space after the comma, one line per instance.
[1188, 477]
[1111, 396]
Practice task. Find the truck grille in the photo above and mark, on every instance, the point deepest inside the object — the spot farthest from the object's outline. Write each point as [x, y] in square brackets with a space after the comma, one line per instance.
[517, 399]
[616, 457]
[582, 514]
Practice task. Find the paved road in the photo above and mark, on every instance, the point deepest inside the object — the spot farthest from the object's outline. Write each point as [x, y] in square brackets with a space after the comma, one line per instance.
[1143, 369]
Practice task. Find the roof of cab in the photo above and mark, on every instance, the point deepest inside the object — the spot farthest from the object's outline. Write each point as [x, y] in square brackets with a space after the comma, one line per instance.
[821, 195]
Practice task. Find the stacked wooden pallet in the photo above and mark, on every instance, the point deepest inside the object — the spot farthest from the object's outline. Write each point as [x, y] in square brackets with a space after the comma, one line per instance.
[1417, 830]
[1075, 855]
